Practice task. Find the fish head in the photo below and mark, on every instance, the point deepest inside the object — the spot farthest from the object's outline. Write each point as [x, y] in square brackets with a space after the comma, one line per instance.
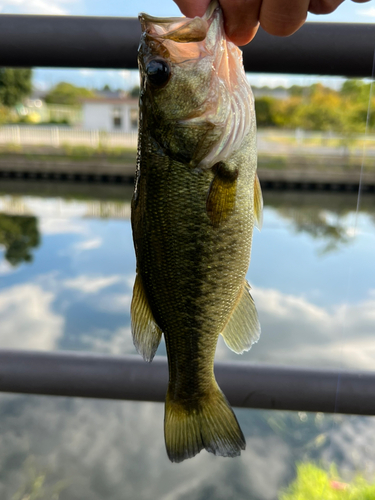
[189, 79]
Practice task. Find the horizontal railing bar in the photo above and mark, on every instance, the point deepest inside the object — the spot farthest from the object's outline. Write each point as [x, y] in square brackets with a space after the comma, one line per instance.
[130, 378]
[338, 49]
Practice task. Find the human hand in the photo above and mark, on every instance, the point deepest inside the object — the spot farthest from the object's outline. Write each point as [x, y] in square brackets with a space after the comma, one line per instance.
[242, 18]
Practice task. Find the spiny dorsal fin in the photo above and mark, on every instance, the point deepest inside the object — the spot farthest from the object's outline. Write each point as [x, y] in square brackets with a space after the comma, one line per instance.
[243, 328]
[258, 203]
[146, 333]
[221, 196]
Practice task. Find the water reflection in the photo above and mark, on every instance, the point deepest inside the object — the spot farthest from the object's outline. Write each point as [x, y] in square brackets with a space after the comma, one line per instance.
[115, 450]
[309, 272]
[19, 235]
[314, 290]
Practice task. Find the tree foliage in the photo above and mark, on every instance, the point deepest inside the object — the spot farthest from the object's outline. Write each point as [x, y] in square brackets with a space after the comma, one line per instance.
[18, 234]
[314, 483]
[265, 111]
[15, 85]
[134, 91]
[320, 108]
[67, 93]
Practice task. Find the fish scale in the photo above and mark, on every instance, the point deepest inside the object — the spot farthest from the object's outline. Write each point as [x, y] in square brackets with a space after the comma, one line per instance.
[192, 229]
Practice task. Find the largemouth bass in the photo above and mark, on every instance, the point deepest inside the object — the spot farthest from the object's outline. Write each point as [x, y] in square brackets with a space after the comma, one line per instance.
[195, 202]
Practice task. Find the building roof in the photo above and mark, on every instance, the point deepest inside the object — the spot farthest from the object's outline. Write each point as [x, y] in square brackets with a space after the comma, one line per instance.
[110, 97]
[110, 100]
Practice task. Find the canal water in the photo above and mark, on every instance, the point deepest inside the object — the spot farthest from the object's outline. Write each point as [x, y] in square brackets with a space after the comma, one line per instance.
[66, 274]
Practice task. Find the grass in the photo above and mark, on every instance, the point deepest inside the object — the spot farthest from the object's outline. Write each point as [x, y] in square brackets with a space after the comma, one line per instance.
[352, 142]
[315, 483]
[297, 161]
[73, 153]
[312, 162]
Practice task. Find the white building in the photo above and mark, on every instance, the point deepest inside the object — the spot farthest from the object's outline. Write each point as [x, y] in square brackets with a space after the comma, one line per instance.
[110, 114]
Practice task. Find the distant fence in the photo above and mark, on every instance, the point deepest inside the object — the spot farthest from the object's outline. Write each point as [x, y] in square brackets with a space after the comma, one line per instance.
[60, 136]
[270, 141]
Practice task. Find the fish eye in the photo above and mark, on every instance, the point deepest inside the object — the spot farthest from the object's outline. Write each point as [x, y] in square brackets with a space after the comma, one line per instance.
[158, 72]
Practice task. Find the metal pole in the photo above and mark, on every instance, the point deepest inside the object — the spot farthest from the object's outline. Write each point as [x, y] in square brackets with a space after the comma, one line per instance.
[339, 49]
[130, 378]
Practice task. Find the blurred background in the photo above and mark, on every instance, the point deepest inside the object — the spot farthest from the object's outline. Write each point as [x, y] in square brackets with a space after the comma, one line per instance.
[67, 268]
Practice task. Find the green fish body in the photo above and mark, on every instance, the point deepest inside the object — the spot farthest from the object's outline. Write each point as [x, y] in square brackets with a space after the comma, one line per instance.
[195, 203]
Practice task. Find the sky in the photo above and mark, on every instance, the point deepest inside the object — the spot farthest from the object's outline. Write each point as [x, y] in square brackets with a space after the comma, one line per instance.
[45, 78]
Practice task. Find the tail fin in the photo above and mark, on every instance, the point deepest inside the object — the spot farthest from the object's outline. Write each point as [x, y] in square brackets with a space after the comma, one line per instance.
[209, 424]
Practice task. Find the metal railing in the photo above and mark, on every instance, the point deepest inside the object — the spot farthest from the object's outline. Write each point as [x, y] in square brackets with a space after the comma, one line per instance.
[64, 41]
[129, 377]
[339, 49]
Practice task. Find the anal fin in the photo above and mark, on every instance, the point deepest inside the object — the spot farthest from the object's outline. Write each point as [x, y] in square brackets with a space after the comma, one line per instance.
[146, 333]
[243, 327]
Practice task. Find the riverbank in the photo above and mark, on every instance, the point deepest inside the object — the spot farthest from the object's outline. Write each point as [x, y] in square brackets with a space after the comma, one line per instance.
[300, 173]
[291, 168]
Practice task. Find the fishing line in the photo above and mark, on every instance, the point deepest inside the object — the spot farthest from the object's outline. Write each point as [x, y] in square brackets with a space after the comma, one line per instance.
[353, 235]
[367, 128]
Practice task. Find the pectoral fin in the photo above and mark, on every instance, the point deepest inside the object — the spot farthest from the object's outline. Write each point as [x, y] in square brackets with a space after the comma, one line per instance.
[221, 196]
[243, 328]
[146, 333]
[258, 203]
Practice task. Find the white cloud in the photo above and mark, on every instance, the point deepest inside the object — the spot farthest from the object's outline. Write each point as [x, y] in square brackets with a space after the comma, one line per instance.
[86, 72]
[52, 7]
[114, 303]
[370, 12]
[300, 333]
[90, 284]
[6, 268]
[89, 244]
[130, 437]
[129, 280]
[126, 74]
[27, 321]
[103, 341]
[61, 226]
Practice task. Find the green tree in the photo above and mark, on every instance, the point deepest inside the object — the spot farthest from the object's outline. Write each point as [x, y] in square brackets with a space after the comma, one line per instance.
[296, 90]
[15, 84]
[134, 91]
[265, 111]
[66, 93]
[356, 101]
[356, 90]
[18, 234]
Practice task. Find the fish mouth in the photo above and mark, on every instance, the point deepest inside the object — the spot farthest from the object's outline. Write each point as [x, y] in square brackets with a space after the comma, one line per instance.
[178, 39]
[178, 29]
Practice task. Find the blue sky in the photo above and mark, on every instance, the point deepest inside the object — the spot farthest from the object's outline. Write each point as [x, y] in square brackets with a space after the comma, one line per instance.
[44, 78]
[347, 12]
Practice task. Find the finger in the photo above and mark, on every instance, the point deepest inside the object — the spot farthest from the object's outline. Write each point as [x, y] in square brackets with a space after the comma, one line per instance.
[192, 8]
[360, 1]
[241, 19]
[323, 6]
[283, 17]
